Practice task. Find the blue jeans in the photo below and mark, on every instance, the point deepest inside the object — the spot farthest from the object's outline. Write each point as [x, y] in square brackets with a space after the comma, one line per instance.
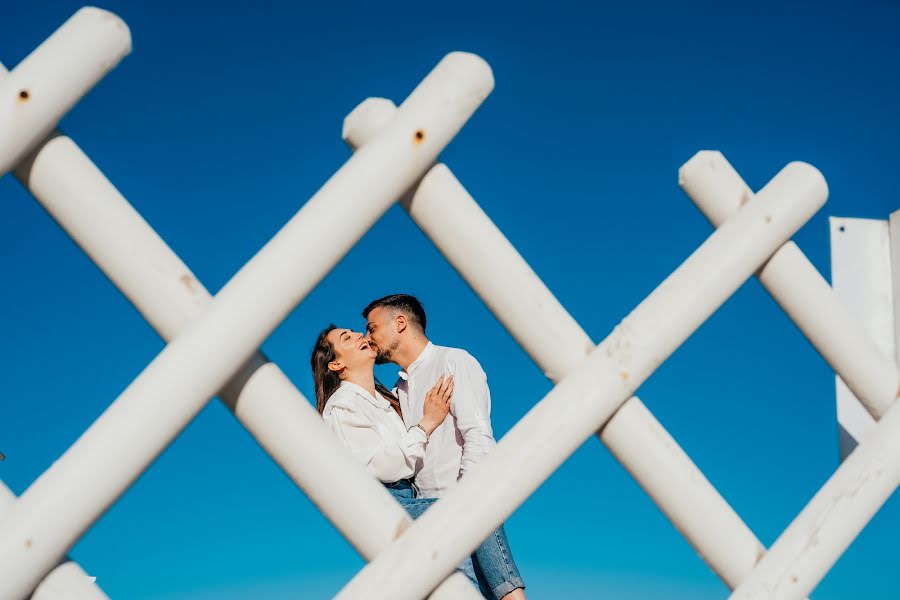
[495, 567]
[492, 568]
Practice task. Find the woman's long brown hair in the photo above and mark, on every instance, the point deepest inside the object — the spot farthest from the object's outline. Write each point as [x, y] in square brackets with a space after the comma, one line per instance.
[327, 381]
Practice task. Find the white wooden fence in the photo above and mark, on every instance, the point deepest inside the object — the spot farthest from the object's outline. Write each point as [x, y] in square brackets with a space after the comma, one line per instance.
[213, 343]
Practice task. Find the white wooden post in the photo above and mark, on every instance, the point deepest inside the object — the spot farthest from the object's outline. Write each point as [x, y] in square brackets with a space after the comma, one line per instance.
[585, 399]
[894, 232]
[861, 275]
[517, 297]
[792, 280]
[862, 262]
[63, 502]
[48, 83]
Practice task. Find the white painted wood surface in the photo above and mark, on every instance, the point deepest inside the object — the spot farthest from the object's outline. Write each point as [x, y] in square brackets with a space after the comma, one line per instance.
[452, 219]
[67, 581]
[53, 78]
[861, 277]
[585, 399]
[213, 343]
[59, 507]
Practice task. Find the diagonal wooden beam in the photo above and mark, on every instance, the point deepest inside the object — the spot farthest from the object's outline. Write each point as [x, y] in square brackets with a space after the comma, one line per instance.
[54, 77]
[794, 283]
[58, 507]
[585, 399]
[163, 289]
[451, 218]
[802, 556]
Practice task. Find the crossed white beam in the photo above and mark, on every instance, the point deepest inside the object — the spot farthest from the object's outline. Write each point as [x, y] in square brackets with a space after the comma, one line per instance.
[587, 397]
[217, 336]
[166, 293]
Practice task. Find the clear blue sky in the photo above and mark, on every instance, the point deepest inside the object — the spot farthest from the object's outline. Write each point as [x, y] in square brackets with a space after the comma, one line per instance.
[225, 119]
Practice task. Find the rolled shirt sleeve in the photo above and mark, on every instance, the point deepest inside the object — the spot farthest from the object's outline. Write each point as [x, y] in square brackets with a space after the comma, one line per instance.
[471, 407]
[389, 461]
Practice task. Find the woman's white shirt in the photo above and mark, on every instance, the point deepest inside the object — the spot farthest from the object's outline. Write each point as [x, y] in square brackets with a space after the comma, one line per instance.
[374, 432]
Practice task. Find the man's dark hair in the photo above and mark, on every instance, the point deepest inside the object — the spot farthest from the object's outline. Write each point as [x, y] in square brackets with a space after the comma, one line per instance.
[402, 302]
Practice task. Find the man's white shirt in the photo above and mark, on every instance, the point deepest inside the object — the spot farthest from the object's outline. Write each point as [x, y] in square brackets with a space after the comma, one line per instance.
[374, 432]
[465, 436]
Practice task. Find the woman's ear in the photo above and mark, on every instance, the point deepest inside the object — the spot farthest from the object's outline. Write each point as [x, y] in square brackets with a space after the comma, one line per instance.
[335, 366]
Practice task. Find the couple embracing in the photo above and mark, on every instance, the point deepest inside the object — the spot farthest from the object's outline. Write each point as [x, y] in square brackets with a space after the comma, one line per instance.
[421, 437]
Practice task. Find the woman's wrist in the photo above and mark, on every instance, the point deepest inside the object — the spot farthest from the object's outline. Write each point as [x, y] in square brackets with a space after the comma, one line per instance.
[427, 426]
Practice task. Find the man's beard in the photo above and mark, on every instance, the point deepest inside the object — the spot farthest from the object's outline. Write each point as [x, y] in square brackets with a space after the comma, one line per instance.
[383, 356]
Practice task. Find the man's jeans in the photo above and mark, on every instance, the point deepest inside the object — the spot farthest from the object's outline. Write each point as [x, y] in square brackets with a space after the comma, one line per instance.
[493, 569]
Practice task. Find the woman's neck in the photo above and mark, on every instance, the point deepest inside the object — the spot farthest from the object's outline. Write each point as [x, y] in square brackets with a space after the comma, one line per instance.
[364, 378]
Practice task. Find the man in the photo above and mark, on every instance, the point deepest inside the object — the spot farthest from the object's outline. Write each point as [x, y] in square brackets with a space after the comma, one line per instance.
[395, 328]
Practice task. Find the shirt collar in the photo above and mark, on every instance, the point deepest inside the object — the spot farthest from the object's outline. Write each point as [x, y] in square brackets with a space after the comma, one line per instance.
[423, 356]
[377, 400]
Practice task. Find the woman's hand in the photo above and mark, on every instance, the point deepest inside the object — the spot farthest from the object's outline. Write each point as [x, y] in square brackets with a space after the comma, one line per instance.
[437, 404]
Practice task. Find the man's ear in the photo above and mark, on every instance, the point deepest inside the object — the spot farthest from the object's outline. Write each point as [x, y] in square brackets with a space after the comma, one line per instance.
[401, 323]
[335, 366]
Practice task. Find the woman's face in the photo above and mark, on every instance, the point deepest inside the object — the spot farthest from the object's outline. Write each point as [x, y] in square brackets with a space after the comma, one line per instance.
[351, 350]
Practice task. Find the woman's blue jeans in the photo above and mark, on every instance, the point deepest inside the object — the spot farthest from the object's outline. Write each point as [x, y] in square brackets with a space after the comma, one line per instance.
[491, 568]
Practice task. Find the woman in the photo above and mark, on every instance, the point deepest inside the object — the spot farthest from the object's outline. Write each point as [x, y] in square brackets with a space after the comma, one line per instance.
[366, 417]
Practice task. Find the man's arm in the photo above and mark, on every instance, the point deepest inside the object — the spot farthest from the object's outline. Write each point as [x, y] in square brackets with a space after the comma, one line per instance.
[471, 406]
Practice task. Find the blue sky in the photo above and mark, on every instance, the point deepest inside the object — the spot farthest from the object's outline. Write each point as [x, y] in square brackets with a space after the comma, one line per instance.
[225, 119]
